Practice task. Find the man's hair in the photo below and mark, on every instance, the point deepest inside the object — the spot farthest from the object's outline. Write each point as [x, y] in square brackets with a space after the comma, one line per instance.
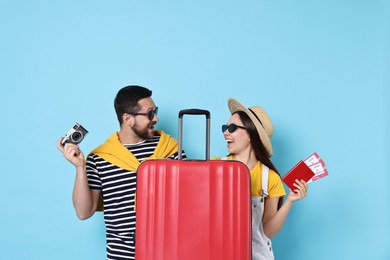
[126, 100]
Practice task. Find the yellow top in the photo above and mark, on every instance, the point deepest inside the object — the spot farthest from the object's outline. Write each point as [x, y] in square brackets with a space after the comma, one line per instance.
[275, 184]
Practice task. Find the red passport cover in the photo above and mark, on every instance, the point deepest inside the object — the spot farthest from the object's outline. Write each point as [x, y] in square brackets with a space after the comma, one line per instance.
[300, 171]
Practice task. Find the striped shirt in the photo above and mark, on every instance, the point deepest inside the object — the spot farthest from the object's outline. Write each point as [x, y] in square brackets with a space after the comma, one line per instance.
[118, 188]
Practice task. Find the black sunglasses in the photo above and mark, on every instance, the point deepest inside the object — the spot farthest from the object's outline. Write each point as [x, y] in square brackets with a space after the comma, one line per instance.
[231, 128]
[150, 113]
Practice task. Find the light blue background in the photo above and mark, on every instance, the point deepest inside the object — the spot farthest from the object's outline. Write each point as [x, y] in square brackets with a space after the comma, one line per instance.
[320, 69]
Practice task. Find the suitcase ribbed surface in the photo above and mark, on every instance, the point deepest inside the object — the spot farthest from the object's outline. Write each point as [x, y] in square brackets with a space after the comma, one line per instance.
[196, 210]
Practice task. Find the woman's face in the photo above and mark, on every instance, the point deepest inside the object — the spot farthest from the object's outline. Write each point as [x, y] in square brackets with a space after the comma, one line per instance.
[239, 140]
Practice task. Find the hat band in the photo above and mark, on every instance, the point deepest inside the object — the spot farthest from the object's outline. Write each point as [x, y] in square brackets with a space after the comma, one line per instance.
[256, 117]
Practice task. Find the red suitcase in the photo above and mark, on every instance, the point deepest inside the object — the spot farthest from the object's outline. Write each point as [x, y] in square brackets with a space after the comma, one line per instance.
[193, 209]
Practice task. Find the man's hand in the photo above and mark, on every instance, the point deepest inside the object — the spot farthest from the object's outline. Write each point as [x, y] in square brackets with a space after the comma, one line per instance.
[72, 153]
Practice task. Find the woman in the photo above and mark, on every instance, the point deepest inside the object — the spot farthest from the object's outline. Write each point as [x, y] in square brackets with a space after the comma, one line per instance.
[248, 133]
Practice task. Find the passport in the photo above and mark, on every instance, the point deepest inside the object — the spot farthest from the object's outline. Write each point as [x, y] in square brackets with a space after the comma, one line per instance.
[300, 171]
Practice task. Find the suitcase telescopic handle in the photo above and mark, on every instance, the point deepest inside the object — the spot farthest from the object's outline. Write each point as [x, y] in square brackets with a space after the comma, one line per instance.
[194, 112]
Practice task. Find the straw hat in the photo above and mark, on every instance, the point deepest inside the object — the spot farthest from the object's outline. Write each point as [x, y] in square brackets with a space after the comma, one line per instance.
[259, 118]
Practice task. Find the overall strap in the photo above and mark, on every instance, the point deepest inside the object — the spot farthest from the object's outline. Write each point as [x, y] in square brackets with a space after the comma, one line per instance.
[264, 180]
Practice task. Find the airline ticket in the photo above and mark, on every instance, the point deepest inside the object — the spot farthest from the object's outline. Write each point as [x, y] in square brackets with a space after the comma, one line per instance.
[317, 165]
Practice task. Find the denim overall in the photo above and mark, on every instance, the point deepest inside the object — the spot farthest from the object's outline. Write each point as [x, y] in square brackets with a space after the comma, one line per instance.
[261, 244]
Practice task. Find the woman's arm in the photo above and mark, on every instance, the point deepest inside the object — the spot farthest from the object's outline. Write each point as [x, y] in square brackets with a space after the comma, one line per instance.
[273, 219]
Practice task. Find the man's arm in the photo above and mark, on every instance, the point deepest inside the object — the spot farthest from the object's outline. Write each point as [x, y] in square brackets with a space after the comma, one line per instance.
[85, 200]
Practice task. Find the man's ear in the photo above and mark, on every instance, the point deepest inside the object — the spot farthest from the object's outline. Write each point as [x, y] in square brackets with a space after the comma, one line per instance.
[128, 119]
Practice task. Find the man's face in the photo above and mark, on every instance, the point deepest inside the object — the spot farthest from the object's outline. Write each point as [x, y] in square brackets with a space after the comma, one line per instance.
[143, 127]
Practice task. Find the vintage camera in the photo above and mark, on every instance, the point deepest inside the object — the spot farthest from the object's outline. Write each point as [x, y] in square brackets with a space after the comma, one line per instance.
[75, 135]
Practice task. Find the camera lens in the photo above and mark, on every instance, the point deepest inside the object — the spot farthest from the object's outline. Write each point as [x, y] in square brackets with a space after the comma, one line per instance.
[77, 136]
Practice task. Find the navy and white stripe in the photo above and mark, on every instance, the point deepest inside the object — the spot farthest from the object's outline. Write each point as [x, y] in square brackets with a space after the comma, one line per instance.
[118, 188]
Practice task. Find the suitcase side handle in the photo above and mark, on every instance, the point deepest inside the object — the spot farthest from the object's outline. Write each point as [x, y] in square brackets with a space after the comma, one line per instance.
[194, 112]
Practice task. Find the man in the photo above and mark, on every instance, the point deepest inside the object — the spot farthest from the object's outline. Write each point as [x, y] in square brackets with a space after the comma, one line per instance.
[110, 169]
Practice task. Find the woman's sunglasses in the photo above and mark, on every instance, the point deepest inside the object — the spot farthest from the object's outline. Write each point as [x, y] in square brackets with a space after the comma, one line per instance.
[150, 113]
[231, 128]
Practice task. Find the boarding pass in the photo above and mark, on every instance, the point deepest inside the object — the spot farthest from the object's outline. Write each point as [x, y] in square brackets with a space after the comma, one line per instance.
[317, 165]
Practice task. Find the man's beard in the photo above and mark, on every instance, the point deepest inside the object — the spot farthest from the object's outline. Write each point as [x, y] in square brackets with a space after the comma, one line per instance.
[142, 132]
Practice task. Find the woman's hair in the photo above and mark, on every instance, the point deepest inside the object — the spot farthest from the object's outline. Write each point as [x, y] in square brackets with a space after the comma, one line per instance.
[257, 146]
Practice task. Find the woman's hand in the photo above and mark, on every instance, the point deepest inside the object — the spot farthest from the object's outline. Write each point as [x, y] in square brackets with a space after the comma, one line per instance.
[300, 192]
